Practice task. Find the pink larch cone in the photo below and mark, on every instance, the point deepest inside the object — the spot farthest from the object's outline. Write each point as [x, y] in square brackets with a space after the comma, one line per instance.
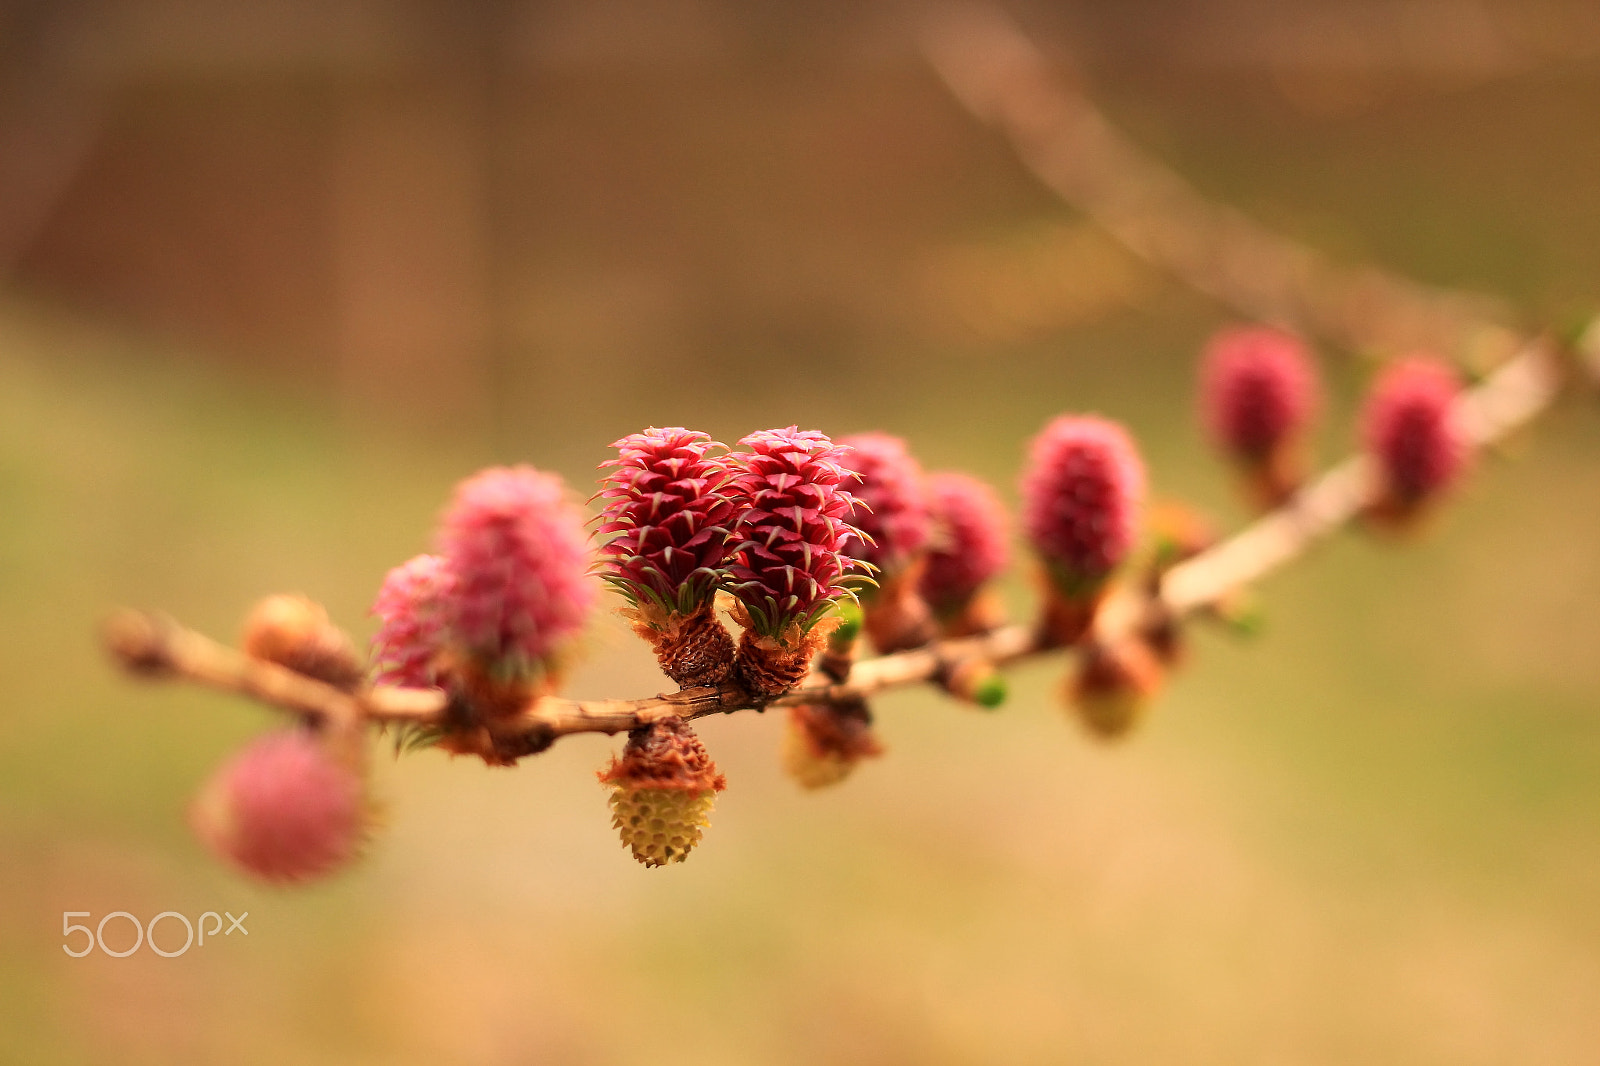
[893, 502]
[491, 617]
[411, 631]
[1082, 494]
[1258, 393]
[969, 547]
[284, 809]
[893, 523]
[517, 559]
[788, 568]
[669, 517]
[1417, 450]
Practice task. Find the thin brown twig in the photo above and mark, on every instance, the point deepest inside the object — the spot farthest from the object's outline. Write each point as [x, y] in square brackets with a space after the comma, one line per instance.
[152, 646]
[1003, 78]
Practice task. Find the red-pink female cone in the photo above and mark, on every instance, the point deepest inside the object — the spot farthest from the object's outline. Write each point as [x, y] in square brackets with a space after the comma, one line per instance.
[969, 547]
[1258, 387]
[284, 809]
[788, 568]
[516, 559]
[1082, 495]
[411, 631]
[1258, 393]
[893, 523]
[490, 616]
[892, 502]
[1407, 429]
[789, 564]
[669, 516]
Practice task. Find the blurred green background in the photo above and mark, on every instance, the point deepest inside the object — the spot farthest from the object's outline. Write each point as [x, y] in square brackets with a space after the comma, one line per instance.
[274, 282]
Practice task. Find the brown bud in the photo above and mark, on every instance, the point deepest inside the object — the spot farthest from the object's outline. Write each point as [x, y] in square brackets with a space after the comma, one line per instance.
[295, 632]
[981, 613]
[1179, 533]
[1066, 620]
[975, 680]
[694, 649]
[767, 667]
[137, 641]
[1162, 632]
[1269, 481]
[896, 617]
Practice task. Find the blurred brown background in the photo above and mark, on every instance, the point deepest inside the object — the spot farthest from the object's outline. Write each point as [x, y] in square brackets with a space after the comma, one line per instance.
[276, 276]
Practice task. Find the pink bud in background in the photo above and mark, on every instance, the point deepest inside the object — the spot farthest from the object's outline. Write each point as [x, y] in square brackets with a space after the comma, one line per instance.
[1081, 498]
[516, 557]
[1258, 390]
[1408, 432]
[411, 634]
[283, 809]
[969, 545]
[893, 502]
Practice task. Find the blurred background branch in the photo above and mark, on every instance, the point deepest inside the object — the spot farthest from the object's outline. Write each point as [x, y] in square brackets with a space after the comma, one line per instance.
[52, 108]
[1001, 76]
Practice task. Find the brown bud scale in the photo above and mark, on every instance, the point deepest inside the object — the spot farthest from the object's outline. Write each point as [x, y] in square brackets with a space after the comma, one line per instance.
[694, 650]
[767, 668]
[981, 613]
[1067, 620]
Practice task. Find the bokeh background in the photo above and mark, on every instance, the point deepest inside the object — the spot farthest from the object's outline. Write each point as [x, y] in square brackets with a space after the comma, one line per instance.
[273, 278]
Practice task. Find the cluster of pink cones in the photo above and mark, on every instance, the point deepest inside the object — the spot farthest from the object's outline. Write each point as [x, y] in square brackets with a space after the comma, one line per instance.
[799, 543]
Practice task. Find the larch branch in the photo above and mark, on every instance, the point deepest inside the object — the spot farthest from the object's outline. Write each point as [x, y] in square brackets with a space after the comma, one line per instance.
[1002, 78]
[153, 646]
